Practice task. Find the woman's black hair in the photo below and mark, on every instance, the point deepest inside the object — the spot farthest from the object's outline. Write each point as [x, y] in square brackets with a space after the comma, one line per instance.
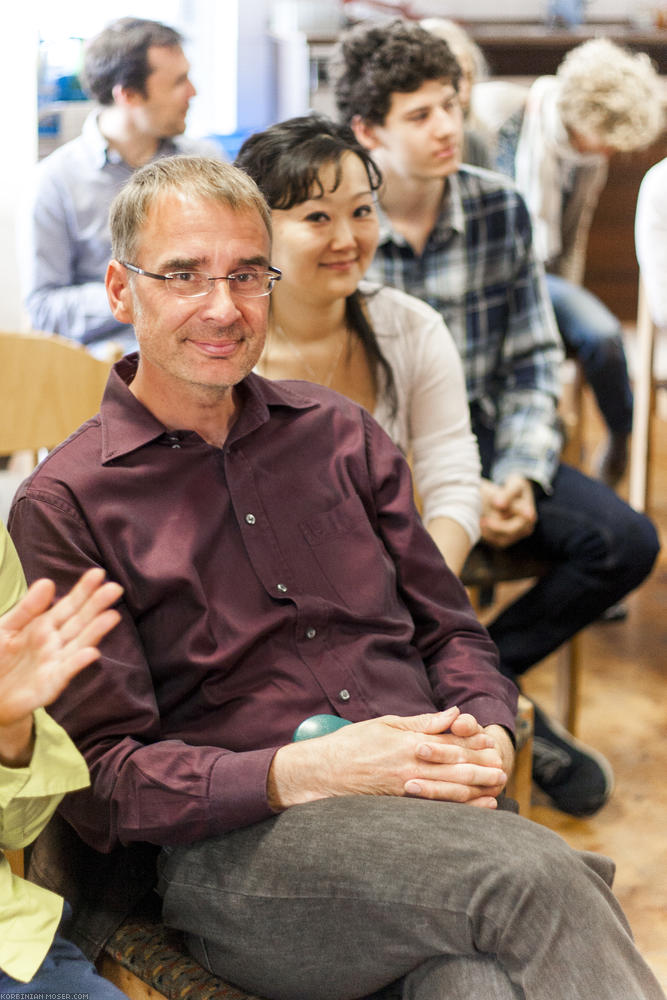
[285, 161]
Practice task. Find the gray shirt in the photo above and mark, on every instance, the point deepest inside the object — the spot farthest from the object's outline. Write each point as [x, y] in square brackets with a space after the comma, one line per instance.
[64, 242]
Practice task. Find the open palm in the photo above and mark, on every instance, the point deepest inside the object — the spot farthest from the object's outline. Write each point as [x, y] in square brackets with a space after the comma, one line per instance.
[42, 646]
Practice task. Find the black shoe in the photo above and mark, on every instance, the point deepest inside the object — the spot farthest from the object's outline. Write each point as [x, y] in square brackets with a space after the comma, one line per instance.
[614, 459]
[577, 779]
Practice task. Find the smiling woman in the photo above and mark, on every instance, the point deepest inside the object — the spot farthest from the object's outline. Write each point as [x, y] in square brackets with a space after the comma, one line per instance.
[389, 352]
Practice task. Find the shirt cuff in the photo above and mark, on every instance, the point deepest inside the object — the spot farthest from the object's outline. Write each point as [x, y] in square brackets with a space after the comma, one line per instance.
[56, 766]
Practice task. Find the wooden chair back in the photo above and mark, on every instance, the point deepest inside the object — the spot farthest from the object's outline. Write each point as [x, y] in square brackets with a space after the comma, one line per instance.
[48, 387]
[644, 405]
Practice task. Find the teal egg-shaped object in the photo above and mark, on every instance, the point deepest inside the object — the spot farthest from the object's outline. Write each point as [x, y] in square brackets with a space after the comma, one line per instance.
[318, 725]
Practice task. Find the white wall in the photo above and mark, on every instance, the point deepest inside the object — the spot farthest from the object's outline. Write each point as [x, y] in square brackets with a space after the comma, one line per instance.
[18, 79]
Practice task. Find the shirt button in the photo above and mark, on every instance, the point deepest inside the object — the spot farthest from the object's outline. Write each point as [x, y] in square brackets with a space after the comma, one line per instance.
[311, 633]
[344, 695]
[281, 587]
[250, 518]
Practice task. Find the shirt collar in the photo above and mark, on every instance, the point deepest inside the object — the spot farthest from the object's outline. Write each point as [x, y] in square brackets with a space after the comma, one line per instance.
[450, 219]
[98, 146]
[128, 425]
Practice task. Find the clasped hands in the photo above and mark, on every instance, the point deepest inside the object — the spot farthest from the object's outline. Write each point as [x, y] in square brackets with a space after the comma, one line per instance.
[508, 511]
[446, 756]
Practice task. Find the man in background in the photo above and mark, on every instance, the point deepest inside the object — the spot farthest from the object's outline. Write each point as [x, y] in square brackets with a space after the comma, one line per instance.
[137, 72]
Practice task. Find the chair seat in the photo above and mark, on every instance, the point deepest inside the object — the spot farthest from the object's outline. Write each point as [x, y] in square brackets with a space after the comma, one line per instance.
[486, 566]
[148, 961]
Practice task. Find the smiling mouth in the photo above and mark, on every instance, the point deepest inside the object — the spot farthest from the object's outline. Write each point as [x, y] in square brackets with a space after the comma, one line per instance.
[340, 263]
[215, 348]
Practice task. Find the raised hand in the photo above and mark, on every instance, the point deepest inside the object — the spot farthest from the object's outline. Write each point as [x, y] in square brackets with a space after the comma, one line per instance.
[42, 647]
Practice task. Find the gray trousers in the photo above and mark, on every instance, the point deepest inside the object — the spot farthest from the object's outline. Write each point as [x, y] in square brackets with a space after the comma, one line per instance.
[338, 898]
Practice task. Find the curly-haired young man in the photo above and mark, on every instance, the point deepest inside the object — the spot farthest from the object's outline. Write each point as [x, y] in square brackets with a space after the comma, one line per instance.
[461, 238]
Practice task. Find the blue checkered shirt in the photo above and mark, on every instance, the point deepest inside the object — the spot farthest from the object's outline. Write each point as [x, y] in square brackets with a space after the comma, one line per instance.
[479, 270]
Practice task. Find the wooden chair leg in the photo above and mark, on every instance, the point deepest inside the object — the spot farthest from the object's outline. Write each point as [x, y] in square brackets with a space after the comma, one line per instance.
[568, 683]
[644, 403]
[571, 411]
[519, 786]
[16, 862]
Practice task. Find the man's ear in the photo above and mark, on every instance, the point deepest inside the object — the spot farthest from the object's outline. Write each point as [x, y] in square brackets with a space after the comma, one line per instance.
[124, 96]
[117, 283]
[365, 133]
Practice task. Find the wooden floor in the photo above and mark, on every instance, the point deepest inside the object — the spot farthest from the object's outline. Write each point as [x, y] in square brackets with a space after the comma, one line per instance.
[624, 714]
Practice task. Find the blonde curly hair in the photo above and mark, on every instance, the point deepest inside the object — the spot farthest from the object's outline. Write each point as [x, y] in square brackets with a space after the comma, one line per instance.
[611, 95]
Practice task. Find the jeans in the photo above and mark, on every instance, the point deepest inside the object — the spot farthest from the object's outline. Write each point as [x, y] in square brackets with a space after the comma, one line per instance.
[65, 972]
[338, 898]
[593, 335]
[599, 549]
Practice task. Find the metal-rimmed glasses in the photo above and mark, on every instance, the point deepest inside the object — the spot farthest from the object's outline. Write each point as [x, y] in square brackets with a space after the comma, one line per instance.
[247, 282]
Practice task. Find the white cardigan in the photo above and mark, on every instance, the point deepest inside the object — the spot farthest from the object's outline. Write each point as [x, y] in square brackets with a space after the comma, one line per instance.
[432, 419]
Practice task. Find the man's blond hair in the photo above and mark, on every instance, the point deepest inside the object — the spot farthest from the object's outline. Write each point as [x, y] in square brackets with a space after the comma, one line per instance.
[197, 177]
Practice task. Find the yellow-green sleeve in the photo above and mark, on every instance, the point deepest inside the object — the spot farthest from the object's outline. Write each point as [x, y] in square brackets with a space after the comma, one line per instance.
[12, 581]
[29, 795]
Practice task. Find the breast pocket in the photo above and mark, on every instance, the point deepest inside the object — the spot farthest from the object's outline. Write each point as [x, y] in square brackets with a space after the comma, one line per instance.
[353, 558]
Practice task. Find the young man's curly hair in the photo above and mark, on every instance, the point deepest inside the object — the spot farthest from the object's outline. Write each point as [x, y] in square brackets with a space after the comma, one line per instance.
[372, 62]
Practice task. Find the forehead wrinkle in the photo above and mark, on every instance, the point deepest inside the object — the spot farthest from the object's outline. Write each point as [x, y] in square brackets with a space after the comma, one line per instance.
[196, 263]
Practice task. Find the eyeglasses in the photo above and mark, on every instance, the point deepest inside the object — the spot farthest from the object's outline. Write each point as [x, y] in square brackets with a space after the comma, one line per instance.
[247, 284]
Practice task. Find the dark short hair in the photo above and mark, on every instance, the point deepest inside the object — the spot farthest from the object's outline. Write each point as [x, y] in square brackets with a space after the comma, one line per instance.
[285, 160]
[373, 61]
[119, 55]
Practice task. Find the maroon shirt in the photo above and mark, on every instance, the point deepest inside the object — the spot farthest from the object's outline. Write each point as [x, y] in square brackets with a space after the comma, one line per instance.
[280, 576]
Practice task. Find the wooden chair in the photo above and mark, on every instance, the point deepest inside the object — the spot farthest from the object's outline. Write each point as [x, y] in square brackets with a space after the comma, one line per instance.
[485, 569]
[48, 386]
[644, 405]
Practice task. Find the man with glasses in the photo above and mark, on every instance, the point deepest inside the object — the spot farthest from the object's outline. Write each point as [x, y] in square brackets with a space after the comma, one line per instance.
[137, 72]
[275, 569]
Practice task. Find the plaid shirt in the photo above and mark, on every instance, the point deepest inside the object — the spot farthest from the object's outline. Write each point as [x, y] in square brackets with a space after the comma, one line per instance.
[479, 270]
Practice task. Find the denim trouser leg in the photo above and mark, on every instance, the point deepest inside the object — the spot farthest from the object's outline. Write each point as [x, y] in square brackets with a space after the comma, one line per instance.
[335, 899]
[65, 972]
[595, 337]
[601, 550]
